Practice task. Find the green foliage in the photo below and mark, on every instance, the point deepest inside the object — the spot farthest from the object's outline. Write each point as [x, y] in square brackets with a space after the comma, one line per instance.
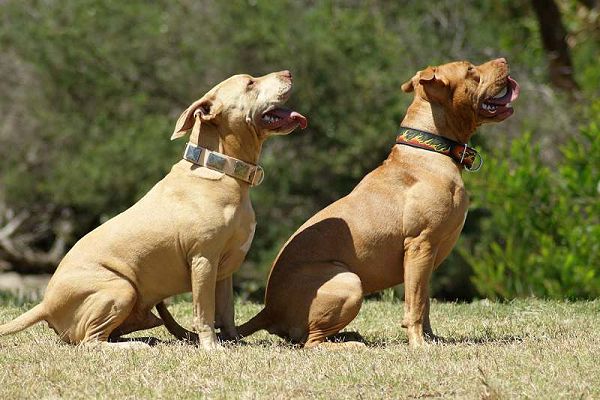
[582, 22]
[542, 236]
[91, 90]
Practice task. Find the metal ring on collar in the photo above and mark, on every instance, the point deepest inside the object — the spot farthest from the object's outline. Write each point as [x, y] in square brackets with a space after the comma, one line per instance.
[259, 176]
[475, 166]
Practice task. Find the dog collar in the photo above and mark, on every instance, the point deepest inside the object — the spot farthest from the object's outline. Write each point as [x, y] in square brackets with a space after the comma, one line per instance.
[468, 157]
[249, 173]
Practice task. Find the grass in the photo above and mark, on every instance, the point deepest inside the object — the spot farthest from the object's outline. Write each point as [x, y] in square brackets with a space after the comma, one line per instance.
[522, 349]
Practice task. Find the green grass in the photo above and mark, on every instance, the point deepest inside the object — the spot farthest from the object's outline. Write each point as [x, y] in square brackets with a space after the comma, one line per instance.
[523, 349]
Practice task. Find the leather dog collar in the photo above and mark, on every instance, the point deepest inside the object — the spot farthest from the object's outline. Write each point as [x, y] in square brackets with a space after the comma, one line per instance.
[249, 173]
[468, 157]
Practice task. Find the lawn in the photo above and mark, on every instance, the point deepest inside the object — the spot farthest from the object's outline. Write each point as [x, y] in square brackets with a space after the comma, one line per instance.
[522, 349]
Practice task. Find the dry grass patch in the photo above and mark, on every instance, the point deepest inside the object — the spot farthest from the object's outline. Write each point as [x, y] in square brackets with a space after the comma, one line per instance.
[523, 349]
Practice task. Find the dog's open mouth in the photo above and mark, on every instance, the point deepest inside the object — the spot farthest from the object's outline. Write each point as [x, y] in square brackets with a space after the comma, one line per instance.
[499, 106]
[279, 118]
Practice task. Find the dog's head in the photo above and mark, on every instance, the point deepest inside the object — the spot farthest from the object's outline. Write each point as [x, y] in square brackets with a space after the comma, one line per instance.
[243, 103]
[473, 94]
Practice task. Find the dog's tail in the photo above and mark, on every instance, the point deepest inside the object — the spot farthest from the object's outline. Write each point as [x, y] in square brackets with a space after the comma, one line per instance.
[258, 322]
[36, 314]
[173, 326]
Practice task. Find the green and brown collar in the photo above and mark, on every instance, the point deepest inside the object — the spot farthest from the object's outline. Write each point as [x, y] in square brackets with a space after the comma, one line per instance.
[468, 157]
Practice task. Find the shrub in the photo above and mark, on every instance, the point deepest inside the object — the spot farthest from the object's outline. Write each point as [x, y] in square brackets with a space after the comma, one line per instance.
[542, 234]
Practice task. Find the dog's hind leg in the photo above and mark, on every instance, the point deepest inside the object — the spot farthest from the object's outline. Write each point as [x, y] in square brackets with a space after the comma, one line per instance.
[337, 303]
[113, 314]
[332, 295]
[138, 320]
[104, 311]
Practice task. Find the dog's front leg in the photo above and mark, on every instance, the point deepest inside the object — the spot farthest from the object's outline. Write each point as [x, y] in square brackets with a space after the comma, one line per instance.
[204, 279]
[225, 312]
[426, 321]
[418, 264]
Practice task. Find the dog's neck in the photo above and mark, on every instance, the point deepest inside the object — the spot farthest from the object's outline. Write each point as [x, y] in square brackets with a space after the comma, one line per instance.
[243, 147]
[433, 118]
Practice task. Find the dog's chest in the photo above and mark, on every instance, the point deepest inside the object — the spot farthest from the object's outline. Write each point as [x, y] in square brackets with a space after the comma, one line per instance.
[230, 214]
[244, 225]
[250, 236]
[242, 220]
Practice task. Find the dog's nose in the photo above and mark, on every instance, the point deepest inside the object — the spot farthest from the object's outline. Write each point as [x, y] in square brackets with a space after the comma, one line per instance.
[286, 74]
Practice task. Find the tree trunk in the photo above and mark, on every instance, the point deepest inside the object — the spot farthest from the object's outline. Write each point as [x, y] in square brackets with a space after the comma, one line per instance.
[554, 40]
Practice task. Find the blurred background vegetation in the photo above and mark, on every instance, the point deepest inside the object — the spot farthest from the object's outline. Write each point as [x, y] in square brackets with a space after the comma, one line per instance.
[90, 91]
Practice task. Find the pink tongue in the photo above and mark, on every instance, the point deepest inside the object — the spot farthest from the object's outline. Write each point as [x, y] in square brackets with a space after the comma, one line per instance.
[301, 119]
[515, 88]
[511, 94]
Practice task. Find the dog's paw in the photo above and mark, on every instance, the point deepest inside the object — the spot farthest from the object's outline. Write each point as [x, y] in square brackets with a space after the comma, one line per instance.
[207, 340]
[210, 343]
[418, 342]
[211, 346]
[229, 336]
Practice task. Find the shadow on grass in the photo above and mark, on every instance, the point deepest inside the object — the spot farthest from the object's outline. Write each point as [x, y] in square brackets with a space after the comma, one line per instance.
[438, 340]
[280, 343]
[385, 342]
[507, 339]
[348, 336]
[149, 340]
[153, 341]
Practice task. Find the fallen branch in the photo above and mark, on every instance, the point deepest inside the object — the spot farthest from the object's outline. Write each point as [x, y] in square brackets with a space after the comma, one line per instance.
[19, 242]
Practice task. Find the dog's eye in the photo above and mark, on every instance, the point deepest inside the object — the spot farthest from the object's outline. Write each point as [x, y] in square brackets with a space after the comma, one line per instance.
[250, 83]
[471, 71]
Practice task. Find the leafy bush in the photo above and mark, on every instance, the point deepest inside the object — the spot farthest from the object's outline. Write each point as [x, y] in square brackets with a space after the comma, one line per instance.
[91, 90]
[542, 235]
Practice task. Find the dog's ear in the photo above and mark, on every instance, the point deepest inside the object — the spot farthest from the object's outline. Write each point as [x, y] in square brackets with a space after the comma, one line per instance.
[205, 108]
[407, 86]
[428, 77]
[434, 83]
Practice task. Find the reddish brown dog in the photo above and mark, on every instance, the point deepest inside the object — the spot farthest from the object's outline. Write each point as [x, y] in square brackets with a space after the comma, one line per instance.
[397, 225]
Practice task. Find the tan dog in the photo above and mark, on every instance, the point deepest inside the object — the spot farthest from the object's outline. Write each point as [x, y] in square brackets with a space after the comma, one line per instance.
[190, 232]
[398, 224]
